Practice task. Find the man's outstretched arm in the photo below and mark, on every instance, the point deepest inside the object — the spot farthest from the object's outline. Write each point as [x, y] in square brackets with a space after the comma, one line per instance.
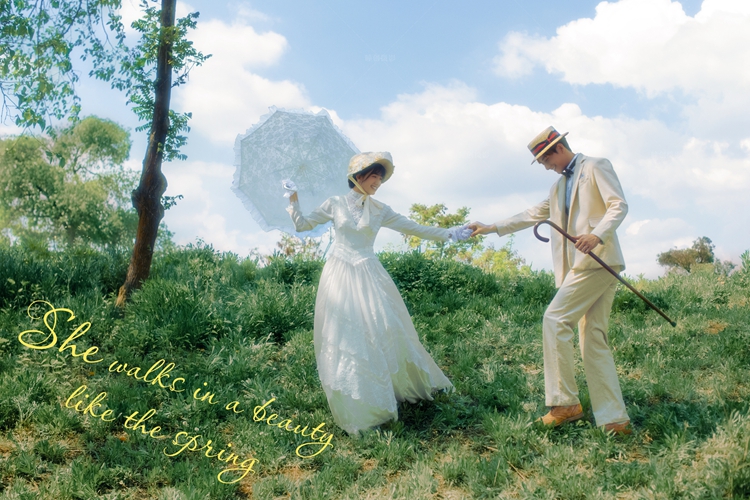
[525, 219]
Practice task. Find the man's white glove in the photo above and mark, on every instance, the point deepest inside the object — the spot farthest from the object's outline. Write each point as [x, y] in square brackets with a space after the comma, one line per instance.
[290, 187]
[459, 233]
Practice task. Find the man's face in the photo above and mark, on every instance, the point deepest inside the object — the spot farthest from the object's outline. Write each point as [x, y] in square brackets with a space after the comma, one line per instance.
[554, 159]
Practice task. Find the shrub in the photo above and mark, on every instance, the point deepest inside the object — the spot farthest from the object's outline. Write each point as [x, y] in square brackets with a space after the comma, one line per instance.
[413, 271]
[274, 310]
[292, 270]
[169, 316]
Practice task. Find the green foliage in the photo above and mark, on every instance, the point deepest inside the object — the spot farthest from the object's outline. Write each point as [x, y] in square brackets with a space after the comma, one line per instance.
[245, 330]
[77, 271]
[37, 80]
[502, 261]
[69, 188]
[135, 72]
[436, 215]
[415, 271]
[37, 70]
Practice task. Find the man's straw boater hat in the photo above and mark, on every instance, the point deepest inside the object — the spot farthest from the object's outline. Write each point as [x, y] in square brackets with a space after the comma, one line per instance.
[545, 140]
[361, 161]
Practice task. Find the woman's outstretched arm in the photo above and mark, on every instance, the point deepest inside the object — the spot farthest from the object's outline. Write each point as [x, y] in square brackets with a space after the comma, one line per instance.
[320, 215]
[402, 224]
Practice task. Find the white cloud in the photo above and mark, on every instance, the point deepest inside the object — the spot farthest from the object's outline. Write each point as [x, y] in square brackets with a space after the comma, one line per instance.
[248, 14]
[7, 130]
[444, 131]
[681, 181]
[211, 211]
[698, 165]
[449, 148]
[131, 11]
[644, 239]
[225, 94]
[651, 45]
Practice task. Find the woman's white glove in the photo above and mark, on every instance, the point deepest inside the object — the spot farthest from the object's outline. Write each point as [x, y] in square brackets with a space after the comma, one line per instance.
[459, 233]
[290, 187]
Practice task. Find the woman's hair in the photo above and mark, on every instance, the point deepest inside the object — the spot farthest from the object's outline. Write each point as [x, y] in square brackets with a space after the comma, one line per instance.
[375, 168]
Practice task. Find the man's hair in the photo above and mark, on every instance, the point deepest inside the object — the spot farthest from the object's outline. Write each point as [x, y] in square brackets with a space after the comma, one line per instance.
[376, 168]
[564, 142]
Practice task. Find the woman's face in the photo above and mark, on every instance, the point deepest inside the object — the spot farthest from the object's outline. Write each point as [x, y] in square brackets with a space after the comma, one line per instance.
[371, 183]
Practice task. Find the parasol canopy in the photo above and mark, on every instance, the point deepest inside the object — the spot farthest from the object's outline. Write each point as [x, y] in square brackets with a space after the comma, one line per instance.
[303, 146]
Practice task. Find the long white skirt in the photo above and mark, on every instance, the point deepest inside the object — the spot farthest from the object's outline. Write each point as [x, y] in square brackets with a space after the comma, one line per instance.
[367, 350]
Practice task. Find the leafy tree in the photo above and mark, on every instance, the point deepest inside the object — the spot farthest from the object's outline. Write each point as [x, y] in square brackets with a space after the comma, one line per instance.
[306, 249]
[37, 84]
[437, 215]
[500, 261]
[146, 76]
[702, 252]
[37, 80]
[745, 261]
[68, 187]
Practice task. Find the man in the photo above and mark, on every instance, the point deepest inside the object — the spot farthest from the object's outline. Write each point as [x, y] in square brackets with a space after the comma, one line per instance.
[588, 203]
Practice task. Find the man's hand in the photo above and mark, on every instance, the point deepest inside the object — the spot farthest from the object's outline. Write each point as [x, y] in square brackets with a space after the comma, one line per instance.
[587, 242]
[479, 228]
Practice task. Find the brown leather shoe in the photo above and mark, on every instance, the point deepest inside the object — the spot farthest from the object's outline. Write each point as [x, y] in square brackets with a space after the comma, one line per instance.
[619, 427]
[559, 415]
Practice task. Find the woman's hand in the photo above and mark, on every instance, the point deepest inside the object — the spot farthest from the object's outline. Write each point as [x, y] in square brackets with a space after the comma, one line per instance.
[291, 190]
[459, 233]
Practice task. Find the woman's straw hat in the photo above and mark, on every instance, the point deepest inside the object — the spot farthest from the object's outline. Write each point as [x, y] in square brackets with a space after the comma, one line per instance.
[361, 161]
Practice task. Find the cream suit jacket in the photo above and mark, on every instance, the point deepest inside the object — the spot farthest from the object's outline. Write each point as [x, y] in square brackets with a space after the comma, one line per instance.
[597, 206]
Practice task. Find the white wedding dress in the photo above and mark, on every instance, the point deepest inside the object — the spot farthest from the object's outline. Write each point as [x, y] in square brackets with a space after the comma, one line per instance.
[367, 350]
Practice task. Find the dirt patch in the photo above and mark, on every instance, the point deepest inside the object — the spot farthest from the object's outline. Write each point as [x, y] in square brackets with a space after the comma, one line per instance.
[369, 465]
[715, 327]
[296, 474]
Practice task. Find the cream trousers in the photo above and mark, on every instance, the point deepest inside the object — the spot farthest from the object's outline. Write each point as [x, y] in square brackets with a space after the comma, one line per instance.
[585, 297]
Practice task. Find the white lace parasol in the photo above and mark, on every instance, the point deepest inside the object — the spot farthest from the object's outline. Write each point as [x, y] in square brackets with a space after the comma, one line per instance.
[303, 146]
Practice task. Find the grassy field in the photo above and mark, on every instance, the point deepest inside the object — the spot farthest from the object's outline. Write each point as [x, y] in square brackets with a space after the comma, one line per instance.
[231, 336]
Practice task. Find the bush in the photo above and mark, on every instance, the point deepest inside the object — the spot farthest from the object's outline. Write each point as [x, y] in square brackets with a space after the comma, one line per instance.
[413, 271]
[29, 276]
[169, 316]
[292, 270]
[274, 310]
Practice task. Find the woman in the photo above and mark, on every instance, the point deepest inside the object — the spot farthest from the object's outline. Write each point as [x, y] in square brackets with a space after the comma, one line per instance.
[367, 350]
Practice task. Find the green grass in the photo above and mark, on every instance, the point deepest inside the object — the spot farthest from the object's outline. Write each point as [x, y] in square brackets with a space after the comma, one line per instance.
[244, 333]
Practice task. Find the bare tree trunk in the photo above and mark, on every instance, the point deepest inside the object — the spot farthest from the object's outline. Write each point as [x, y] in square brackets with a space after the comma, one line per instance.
[147, 196]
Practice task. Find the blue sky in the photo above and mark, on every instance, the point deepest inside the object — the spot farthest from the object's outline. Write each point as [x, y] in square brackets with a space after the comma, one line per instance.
[456, 90]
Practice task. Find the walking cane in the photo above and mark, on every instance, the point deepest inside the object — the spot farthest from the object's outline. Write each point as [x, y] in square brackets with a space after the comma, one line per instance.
[605, 266]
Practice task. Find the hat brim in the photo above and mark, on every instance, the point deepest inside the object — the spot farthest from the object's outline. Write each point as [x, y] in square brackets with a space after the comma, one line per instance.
[536, 158]
[387, 165]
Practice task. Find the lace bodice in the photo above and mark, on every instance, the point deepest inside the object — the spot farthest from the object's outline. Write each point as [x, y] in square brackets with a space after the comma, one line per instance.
[355, 230]
[356, 203]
